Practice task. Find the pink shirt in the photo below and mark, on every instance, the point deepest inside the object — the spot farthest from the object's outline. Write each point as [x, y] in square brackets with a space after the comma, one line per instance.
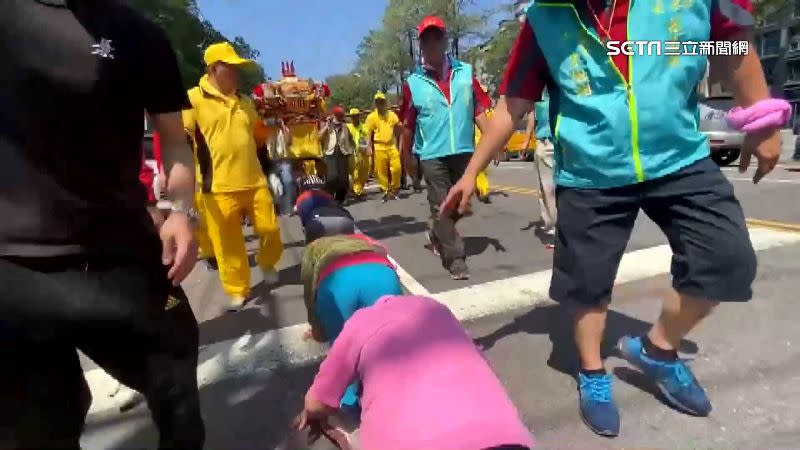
[425, 383]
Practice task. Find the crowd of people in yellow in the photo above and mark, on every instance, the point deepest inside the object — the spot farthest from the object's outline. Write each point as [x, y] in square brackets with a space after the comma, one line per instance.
[235, 186]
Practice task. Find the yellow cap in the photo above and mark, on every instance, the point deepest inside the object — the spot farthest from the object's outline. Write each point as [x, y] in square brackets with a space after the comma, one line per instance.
[380, 96]
[225, 53]
[354, 112]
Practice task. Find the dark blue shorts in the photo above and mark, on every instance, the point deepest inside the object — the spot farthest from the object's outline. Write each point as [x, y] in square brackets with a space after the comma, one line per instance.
[696, 209]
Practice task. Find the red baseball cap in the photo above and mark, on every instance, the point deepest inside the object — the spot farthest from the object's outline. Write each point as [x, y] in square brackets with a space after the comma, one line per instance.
[337, 110]
[430, 21]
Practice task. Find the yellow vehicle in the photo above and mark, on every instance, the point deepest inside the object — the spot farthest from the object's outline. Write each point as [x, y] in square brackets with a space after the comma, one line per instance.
[514, 147]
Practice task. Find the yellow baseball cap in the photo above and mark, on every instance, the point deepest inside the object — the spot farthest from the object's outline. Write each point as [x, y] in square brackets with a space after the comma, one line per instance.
[225, 53]
[380, 96]
[354, 112]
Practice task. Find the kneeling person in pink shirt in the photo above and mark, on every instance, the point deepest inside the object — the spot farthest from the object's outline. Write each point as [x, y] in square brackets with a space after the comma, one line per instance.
[425, 385]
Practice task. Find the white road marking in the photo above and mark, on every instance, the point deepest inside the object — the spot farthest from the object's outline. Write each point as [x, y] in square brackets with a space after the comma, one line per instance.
[767, 179]
[413, 286]
[512, 166]
[264, 352]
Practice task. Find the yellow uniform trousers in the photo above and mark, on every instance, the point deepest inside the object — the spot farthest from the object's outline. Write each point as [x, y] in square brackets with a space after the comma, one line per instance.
[201, 232]
[359, 171]
[482, 184]
[313, 167]
[224, 212]
[387, 167]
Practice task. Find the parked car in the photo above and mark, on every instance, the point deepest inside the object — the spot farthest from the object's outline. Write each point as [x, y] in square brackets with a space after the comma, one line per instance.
[725, 142]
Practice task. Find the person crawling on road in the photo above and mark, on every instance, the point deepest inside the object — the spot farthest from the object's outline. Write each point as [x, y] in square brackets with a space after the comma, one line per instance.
[425, 383]
[342, 272]
[319, 212]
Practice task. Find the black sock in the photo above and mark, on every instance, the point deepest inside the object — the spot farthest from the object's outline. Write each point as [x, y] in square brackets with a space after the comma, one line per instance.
[601, 371]
[659, 354]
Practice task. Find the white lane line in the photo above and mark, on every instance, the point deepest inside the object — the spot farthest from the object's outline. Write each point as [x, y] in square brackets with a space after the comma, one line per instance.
[264, 352]
[767, 179]
[413, 286]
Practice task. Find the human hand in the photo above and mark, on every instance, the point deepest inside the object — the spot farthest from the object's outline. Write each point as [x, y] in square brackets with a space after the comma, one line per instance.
[766, 147]
[308, 334]
[179, 248]
[157, 216]
[370, 150]
[275, 184]
[314, 411]
[459, 196]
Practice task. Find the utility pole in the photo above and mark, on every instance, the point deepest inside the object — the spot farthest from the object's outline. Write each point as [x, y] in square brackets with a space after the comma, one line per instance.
[411, 48]
[456, 31]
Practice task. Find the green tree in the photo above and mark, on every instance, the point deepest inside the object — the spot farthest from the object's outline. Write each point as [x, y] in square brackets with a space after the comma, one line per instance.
[771, 10]
[190, 35]
[381, 59]
[492, 56]
[385, 54]
[351, 91]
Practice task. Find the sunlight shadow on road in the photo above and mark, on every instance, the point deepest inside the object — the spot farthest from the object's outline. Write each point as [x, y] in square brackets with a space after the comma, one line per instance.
[554, 321]
[391, 226]
[475, 245]
[247, 412]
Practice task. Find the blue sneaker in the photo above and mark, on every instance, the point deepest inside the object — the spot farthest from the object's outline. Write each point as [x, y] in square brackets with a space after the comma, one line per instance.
[674, 378]
[598, 410]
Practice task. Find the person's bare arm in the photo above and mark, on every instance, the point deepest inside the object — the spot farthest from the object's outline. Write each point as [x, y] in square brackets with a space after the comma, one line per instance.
[178, 158]
[287, 134]
[179, 250]
[397, 132]
[529, 130]
[370, 142]
[323, 130]
[497, 132]
[482, 122]
[750, 87]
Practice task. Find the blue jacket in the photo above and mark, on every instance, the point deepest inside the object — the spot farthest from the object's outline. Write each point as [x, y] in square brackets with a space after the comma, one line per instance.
[443, 128]
[611, 132]
[542, 112]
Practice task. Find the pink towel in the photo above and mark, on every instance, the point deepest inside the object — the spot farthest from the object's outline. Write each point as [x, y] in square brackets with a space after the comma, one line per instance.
[769, 113]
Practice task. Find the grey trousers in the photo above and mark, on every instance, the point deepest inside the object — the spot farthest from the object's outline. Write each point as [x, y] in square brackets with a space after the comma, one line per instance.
[547, 189]
[440, 175]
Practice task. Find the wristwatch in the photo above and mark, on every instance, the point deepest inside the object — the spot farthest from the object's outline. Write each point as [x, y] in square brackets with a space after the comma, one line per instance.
[180, 207]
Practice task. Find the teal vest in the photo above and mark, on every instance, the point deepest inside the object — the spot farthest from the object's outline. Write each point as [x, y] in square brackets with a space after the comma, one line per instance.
[542, 112]
[609, 132]
[443, 128]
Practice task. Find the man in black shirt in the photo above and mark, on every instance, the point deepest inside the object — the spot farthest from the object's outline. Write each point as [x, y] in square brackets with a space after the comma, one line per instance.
[81, 265]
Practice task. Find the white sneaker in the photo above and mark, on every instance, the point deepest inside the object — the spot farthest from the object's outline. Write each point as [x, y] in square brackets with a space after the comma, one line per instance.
[270, 276]
[237, 303]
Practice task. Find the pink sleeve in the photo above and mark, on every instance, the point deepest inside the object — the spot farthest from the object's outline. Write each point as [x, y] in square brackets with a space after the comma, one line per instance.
[339, 367]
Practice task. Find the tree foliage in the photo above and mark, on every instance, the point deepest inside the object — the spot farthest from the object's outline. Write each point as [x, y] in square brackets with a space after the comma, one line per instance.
[772, 10]
[492, 56]
[190, 35]
[351, 91]
[384, 55]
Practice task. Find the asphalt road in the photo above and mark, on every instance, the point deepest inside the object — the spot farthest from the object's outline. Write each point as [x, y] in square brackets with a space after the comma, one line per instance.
[747, 355]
